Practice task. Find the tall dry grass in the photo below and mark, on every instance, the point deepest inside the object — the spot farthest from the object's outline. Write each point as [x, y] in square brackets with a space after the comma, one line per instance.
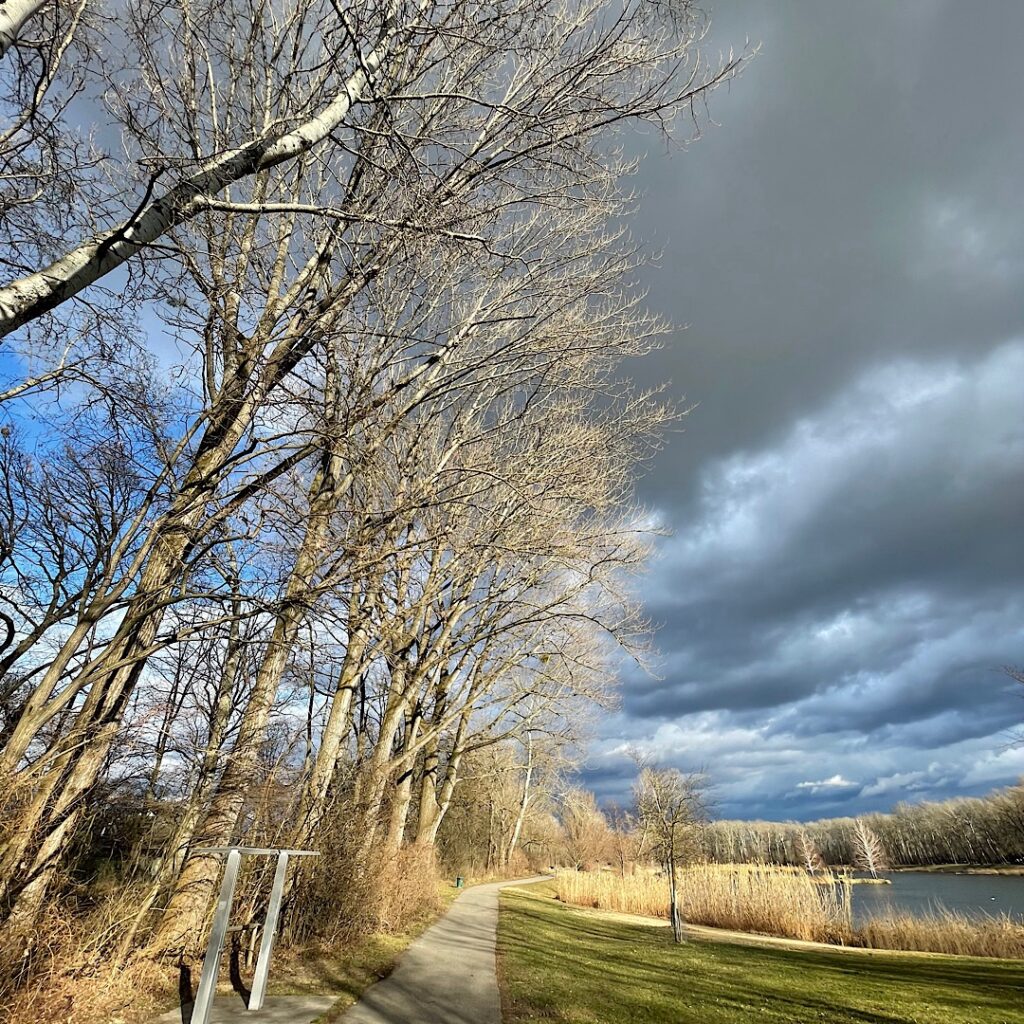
[640, 893]
[748, 898]
[59, 973]
[760, 898]
[946, 932]
[790, 903]
[339, 901]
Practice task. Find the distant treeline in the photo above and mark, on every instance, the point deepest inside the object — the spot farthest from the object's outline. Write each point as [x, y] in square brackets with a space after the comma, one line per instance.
[980, 830]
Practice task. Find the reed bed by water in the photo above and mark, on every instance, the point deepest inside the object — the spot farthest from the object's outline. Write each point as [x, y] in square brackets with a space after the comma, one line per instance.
[946, 932]
[790, 903]
[748, 898]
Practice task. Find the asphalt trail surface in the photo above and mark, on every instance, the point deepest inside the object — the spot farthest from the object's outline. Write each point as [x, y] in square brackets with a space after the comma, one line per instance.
[447, 976]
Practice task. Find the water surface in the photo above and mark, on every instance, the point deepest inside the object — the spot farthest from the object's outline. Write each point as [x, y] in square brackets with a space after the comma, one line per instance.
[918, 892]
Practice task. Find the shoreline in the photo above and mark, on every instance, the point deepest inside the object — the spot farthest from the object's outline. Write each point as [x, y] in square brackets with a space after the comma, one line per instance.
[1008, 870]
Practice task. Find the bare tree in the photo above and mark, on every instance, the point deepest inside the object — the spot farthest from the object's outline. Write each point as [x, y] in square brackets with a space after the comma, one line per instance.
[584, 828]
[385, 494]
[868, 852]
[671, 807]
[628, 838]
[318, 78]
[808, 853]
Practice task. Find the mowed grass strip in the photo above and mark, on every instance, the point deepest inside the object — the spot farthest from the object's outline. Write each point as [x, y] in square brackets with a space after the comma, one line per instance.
[558, 963]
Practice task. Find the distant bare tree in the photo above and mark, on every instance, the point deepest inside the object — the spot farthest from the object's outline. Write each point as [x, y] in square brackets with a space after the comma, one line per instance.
[584, 827]
[671, 807]
[627, 838]
[868, 852]
[808, 853]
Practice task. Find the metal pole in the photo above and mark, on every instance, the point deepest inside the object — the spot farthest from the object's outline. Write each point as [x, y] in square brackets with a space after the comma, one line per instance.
[259, 981]
[211, 965]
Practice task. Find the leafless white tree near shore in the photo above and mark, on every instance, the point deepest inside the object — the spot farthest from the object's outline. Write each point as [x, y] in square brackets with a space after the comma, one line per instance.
[869, 854]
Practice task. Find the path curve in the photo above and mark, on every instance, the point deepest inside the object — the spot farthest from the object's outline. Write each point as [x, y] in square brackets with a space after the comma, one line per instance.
[448, 975]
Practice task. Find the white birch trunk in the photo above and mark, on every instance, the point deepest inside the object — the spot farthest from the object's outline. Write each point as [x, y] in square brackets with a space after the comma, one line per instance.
[29, 297]
[13, 15]
[524, 802]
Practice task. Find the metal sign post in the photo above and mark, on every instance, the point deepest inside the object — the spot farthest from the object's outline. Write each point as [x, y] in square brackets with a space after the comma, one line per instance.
[222, 916]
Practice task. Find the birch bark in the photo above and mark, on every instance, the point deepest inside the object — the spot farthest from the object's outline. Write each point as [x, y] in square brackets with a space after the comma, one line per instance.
[29, 297]
[13, 16]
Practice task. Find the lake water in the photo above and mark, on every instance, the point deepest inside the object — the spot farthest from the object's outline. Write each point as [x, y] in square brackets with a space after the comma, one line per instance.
[917, 892]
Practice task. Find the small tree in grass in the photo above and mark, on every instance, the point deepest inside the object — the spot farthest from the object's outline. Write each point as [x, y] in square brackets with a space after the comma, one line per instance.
[670, 807]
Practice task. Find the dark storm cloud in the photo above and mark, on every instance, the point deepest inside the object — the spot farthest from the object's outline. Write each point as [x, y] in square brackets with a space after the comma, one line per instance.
[845, 578]
[859, 198]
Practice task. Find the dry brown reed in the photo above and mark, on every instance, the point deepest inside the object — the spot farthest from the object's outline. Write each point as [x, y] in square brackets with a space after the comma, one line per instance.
[341, 900]
[749, 898]
[946, 932]
[59, 974]
[758, 898]
[790, 903]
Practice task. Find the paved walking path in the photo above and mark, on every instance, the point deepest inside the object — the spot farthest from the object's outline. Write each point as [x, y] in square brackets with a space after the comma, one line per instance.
[447, 976]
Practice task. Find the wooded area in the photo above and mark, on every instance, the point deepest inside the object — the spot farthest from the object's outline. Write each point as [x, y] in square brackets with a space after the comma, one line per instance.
[316, 524]
[984, 830]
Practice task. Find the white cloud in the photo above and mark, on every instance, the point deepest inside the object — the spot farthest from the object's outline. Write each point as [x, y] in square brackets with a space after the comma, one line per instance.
[835, 782]
[898, 782]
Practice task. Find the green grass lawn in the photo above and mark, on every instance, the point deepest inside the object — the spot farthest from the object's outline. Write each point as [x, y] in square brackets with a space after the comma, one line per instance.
[558, 963]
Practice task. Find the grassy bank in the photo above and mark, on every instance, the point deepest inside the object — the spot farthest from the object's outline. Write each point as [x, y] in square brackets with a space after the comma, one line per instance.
[561, 964]
[790, 903]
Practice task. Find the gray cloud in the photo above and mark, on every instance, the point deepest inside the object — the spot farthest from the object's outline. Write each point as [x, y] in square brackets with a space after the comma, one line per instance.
[858, 198]
[854, 586]
[847, 248]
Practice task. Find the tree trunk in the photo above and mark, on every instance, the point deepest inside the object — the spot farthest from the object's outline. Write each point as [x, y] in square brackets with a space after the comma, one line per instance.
[176, 850]
[434, 803]
[186, 909]
[13, 15]
[402, 798]
[77, 758]
[673, 896]
[524, 801]
[32, 717]
[313, 801]
[379, 770]
[429, 806]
